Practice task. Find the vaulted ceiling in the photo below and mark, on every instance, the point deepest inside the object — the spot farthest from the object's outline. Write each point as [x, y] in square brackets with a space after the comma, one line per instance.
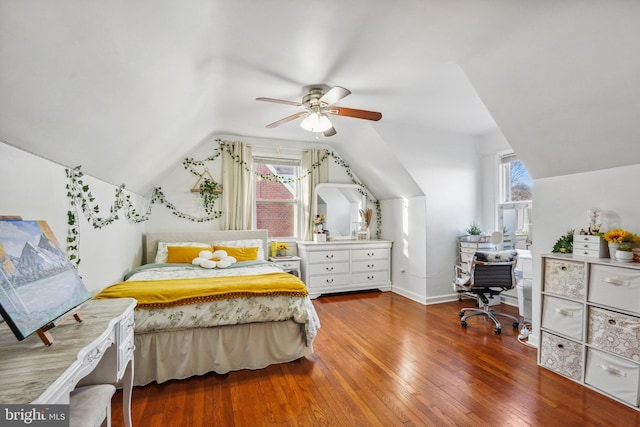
[128, 88]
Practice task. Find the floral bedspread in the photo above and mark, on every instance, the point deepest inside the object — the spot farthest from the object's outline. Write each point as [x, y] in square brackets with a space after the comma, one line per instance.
[225, 311]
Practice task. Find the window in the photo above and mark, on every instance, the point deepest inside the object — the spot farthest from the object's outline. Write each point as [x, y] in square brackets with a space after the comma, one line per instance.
[514, 207]
[277, 204]
[516, 182]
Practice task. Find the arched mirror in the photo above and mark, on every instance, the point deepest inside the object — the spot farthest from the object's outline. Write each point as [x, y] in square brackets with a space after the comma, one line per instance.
[340, 204]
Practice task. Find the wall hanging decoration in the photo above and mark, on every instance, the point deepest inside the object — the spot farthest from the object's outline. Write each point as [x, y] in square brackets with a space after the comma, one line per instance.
[209, 190]
[80, 197]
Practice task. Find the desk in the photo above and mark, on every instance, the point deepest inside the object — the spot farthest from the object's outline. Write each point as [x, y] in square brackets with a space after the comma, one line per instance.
[97, 350]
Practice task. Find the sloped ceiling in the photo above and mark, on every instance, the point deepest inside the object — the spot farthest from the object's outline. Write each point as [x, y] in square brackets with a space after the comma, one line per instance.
[127, 88]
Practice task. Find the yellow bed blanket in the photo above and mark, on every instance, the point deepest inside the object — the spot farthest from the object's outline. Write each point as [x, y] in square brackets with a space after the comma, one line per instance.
[166, 293]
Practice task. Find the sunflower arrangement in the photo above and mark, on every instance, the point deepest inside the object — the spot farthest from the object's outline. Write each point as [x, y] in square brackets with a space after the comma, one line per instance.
[618, 235]
[282, 246]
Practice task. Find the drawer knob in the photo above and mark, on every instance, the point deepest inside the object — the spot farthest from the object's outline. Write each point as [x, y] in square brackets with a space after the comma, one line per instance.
[329, 280]
[612, 322]
[329, 268]
[563, 268]
[560, 346]
[370, 277]
[329, 256]
[370, 254]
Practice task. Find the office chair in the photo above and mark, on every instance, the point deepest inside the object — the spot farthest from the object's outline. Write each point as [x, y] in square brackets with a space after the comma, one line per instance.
[491, 274]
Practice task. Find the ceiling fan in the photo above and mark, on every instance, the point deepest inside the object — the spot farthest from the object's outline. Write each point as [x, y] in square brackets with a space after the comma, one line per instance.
[317, 105]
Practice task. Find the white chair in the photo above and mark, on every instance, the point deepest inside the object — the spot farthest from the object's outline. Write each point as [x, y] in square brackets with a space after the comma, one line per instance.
[90, 406]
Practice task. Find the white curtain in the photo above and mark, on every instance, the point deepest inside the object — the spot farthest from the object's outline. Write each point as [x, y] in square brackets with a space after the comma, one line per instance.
[238, 193]
[318, 175]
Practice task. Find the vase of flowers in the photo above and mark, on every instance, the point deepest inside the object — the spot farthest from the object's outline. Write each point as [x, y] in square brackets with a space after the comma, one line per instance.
[616, 237]
[282, 249]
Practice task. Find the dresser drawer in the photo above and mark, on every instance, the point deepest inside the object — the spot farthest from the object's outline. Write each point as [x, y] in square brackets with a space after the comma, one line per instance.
[562, 316]
[564, 278]
[589, 253]
[326, 256]
[614, 332]
[590, 246]
[365, 254]
[370, 265]
[127, 346]
[466, 258]
[616, 287]
[329, 268]
[613, 375]
[561, 355]
[328, 280]
[370, 277]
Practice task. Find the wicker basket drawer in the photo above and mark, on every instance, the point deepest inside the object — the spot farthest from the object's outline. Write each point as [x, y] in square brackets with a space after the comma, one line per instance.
[615, 287]
[614, 332]
[613, 375]
[561, 355]
[562, 316]
[564, 278]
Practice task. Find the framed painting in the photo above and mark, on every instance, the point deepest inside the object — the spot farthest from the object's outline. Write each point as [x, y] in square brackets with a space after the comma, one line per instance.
[37, 283]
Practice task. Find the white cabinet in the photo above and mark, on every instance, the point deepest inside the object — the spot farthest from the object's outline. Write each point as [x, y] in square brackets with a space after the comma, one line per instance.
[347, 265]
[590, 329]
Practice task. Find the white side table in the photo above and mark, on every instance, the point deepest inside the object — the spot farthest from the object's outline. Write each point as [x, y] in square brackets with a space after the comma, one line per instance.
[290, 264]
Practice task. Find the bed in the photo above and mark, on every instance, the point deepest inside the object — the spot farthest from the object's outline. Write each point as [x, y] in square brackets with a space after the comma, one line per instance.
[195, 324]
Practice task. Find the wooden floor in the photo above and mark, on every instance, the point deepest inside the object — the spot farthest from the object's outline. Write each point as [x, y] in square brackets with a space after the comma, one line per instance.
[383, 360]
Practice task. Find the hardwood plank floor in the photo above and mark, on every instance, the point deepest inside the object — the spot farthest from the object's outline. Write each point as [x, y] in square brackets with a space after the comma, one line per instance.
[383, 360]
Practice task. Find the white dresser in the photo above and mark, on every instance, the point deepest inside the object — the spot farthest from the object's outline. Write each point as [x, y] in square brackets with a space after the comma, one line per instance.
[98, 350]
[590, 323]
[345, 265]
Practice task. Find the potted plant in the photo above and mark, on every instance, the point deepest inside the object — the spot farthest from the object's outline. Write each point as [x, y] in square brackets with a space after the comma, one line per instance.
[209, 192]
[474, 231]
[616, 237]
[624, 253]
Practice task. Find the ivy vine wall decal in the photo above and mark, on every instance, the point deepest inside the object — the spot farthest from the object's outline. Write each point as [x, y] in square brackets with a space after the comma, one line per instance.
[80, 198]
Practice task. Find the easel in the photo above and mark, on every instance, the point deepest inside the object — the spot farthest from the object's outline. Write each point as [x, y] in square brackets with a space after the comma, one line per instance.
[44, 333]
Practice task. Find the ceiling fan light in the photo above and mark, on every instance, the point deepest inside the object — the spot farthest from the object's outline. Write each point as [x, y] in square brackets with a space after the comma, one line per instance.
[316, 122]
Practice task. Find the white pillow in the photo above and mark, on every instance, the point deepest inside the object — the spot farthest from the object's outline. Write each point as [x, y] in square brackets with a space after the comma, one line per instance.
[161, 254]
[248, 243]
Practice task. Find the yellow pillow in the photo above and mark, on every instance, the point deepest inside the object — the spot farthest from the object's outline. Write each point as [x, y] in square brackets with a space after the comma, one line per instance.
[240, 254]
[183, 254]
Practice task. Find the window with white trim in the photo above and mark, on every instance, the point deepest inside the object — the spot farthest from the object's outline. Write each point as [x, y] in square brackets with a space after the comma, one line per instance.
[278, 203]
[514, 207]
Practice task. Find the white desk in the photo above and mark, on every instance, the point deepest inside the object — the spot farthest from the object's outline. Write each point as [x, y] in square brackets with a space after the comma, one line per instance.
[97, 350]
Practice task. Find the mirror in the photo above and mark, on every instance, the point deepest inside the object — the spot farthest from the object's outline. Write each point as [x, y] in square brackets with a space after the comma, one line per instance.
[340, 204]
[516, 219]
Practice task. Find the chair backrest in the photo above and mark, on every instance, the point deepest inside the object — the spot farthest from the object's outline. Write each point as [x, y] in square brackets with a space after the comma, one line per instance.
[494, 270]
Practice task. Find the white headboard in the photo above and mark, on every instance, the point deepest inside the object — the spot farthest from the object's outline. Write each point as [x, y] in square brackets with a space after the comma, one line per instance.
[151, 239]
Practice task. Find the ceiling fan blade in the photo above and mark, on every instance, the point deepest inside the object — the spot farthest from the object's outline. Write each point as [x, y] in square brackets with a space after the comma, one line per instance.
[286, 119]
[280, 101]
[330, 132]
[358, 114]
[334, 95]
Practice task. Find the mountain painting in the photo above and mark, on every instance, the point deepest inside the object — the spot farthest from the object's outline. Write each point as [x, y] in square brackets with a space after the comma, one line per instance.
[37, 282]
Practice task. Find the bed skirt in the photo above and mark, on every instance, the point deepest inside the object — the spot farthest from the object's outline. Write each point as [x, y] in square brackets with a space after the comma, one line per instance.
[167, 355]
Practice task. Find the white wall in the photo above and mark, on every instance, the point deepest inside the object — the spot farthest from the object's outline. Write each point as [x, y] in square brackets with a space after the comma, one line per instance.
[447, 170]
[34, 188]
[561, 203]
